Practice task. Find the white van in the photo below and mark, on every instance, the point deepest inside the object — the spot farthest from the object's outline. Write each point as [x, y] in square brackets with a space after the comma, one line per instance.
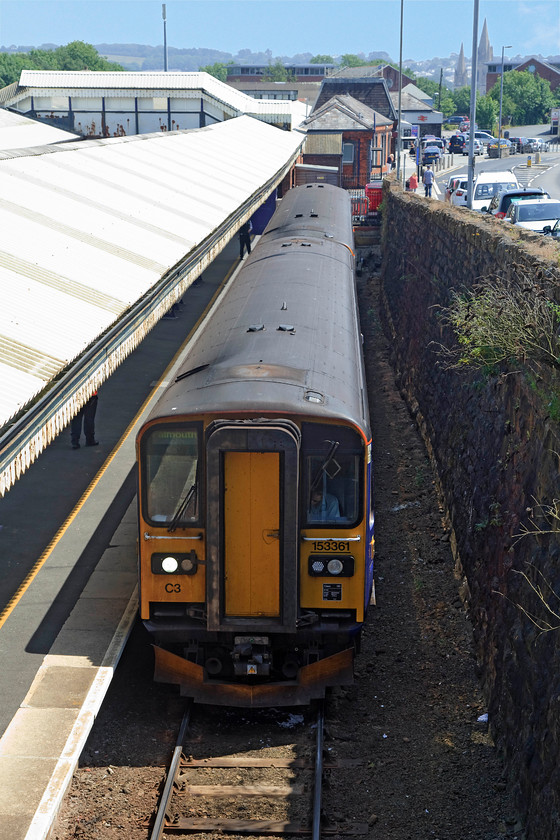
[487, 184]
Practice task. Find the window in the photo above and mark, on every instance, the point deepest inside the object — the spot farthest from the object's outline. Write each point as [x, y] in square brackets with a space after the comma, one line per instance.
[332, 458]
[171, 475]
[347, 153]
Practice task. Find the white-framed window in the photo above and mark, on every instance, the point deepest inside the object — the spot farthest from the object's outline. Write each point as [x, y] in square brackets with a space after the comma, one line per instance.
[347, 153]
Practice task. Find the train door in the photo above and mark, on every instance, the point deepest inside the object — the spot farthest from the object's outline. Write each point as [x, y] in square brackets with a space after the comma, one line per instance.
[252, 510]
[251, 543]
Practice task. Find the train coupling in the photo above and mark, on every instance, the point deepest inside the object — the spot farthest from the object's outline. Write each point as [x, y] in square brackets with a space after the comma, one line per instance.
[252, 656]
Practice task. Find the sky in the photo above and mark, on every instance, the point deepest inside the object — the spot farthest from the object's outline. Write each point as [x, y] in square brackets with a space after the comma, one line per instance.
[288, 27]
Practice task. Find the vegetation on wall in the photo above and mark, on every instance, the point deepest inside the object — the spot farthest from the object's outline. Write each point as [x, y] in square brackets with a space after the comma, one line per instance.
[499, 323]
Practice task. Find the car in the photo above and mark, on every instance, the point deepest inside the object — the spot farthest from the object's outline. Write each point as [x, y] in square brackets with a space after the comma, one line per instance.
[431, 154]
[455, 120]
[484, 136]
[486, 185]
[478, 147]
[504, 146]
[534, 215]
[537, 145]
[500, 203]
[459, 195]
[519, 143]
[431, 140]
[552, 230]
[456, 143]
[452, 185]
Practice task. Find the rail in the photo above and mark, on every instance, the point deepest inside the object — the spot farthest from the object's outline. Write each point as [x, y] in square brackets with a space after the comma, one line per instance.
[167, 823]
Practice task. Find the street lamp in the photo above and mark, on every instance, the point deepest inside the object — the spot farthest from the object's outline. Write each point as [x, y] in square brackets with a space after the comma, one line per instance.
[164, 18]
[508, 47]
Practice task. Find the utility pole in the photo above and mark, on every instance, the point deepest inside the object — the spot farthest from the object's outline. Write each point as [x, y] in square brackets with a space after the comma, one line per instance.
[164, 16]
[440, 84]
[472, 122]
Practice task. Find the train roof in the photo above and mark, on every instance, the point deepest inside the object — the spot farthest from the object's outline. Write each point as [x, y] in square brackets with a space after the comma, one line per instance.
[285, 338]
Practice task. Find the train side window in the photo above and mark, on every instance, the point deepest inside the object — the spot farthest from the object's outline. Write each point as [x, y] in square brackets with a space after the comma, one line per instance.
[332, 469]
[171, 480]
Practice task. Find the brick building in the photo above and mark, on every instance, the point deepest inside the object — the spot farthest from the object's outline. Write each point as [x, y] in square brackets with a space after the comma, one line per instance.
[550, 72]
[346, 134]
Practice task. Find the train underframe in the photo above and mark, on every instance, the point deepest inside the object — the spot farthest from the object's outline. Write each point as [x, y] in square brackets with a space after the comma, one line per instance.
[260, 669]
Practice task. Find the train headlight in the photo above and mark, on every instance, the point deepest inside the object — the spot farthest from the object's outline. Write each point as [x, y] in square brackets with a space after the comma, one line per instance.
[324, 566]
[169, 565]
[335, 566]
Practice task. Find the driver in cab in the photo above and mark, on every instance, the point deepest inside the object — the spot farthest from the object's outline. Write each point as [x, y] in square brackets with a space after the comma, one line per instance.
[324, 506]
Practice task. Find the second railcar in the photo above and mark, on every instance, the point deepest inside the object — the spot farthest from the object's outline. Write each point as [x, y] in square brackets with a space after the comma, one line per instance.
[256, 521]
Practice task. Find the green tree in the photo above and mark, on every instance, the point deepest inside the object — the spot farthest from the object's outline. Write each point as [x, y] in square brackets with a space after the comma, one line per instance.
[277, 73]
[526, 97]
[218, 70]
[81, 56]
[462, 100]
[486, 112]
[350, 60]
[74, 56]
[322, 59]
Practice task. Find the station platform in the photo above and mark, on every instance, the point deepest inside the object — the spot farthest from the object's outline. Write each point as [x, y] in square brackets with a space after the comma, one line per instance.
[65, 625]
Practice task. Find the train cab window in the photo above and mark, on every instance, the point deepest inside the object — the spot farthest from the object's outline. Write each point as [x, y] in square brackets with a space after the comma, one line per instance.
[332, 458]
[171, 476]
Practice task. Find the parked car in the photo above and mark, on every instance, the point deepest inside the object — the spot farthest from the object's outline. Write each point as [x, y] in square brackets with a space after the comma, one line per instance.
[478, 147]
[452, 185]
[503, 144]
[484, 136]
[537, 145]
[534, 215]
[501, 201]
[455, 120]
[431, 154]
[519, 143]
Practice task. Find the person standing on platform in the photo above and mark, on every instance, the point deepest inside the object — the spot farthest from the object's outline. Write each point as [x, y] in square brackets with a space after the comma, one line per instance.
[245, 238]
[85, 416]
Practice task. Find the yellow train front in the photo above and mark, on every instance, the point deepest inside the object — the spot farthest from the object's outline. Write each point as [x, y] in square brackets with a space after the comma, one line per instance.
[256, 526]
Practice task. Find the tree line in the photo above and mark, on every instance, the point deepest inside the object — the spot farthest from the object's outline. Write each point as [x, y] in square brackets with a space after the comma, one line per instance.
[527, 98]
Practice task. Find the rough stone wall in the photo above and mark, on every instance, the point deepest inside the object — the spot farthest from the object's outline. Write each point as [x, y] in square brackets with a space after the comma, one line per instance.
[496, 451]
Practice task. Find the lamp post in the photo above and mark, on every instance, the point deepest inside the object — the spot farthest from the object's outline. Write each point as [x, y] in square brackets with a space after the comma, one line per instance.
[399, 115]
[164, 18]
[508, 47]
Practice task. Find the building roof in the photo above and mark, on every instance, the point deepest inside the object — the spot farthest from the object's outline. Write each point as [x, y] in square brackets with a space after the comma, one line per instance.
[344, 113]
[110, 83]
[94, 227]
[411, 103]
[372, 92]
[415, 91]
[19, 132]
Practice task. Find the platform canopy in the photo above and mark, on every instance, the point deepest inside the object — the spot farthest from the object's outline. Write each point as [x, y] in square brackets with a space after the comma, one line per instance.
[100, 238]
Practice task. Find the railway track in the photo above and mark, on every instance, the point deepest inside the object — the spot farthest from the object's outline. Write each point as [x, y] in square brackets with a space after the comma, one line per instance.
[250, 794]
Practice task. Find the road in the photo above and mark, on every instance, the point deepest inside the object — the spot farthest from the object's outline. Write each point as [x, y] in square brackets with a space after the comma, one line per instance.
[546, 174]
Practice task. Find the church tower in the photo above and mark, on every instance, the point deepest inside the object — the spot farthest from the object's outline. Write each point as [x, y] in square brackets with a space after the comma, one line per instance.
[485, 54]
[461, 77]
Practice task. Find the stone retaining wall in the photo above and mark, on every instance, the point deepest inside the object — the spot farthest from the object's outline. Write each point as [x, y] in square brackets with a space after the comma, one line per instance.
[495, 445]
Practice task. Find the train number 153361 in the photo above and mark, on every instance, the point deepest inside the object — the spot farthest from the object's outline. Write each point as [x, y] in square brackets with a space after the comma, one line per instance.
[330, 545]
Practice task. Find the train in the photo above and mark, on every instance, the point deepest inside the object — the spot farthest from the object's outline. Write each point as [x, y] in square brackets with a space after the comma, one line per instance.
[256, 522]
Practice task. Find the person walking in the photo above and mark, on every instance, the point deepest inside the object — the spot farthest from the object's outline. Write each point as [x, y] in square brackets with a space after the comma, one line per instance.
[85, 415]
[245, 238]
[428, 180]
